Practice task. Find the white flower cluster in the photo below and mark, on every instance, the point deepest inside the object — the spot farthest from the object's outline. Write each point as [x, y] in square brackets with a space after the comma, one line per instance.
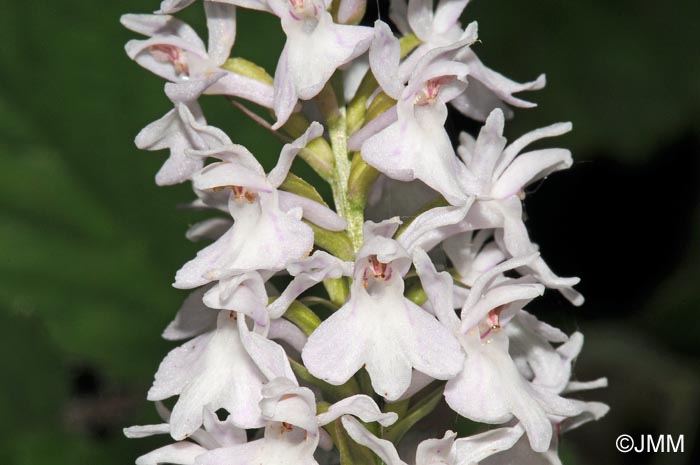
[275, 371]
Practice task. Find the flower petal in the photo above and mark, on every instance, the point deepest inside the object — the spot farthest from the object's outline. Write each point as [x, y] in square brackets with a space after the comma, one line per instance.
[133, 432]
[528, 168]
[211, 229]
[447, 15]
[224, 174]
[285, 96]
[243, 454]
[474, 449]
[221, 24]
[438, 287]
[307, 273]
[284, 401]
[313, 211]
[498, 84]
[384, 449]
[490, 389]
[173, 6]
[488, 147]
[434, 350]
[361, 406]
[268, 356]
[288, 332]
[193, 318]
[212, 370]
[417, 147]
[163, 25]
[335, 350]
[515, 147]
[384, 56]
[420, 17]
[313, 55]
[224, 432]
[432, 227]
[237, 85]
[290, 151]
[180, 453]
[436, 450]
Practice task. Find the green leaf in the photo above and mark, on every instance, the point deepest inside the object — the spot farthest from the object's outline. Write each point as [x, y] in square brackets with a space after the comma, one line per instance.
[351, 453]
[298, 186]
[248, 69]
[303, 317]
[420, 410]
[362, 177]
[331, 392]
[336, 242]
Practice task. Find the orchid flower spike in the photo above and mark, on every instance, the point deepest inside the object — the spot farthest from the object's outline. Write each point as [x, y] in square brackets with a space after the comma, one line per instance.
[300, 312]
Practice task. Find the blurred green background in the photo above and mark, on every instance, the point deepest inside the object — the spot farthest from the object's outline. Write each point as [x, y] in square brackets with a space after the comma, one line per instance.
[89, 245]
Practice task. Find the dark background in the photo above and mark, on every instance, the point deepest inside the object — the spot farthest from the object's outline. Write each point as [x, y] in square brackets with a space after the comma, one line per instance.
[89, 245]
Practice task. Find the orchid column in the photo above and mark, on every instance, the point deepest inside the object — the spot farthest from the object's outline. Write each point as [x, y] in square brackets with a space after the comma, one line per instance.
[312, 334]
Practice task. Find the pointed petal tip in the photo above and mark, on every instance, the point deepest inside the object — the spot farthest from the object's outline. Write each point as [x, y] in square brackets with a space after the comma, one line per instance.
[496, 119]
[540, 82]
[124, 19]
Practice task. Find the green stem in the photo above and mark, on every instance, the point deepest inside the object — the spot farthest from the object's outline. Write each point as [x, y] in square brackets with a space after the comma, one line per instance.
[416, 413]
[303, 317]
[337, 127]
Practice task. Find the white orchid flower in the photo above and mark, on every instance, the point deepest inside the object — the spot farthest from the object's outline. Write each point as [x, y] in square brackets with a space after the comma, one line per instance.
[490, 389]
[223, 368]
[496, 177]
[293, 430]
[440, 27]
[263, 236]
[414, 144]
[182, 128]
[175, 52]
[213, 434]
[316, 46]
[378, 328]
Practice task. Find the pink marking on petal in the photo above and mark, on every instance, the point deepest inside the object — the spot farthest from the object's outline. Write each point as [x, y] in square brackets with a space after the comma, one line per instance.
[429, 93]
[172, 54]
[491, 323]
